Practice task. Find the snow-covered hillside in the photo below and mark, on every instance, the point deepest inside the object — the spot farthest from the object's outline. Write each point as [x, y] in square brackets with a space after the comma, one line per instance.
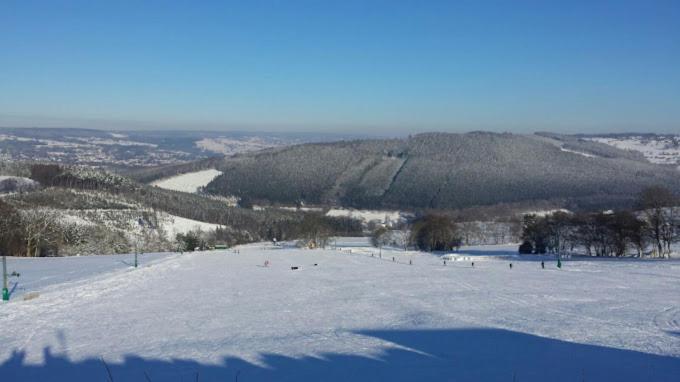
[173, 225]
[189, 182]
[128, 221]
[657, 149]
[341, 316]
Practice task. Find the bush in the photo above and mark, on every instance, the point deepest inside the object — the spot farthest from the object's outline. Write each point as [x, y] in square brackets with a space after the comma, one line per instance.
[435, 233]
[526, 248]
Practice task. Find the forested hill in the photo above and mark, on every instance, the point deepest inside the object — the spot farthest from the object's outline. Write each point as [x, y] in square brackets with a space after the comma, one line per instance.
[438, 170]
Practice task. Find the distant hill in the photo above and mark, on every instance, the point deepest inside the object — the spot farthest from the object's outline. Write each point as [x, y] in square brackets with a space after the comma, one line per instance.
[439, 170]
[137, 150]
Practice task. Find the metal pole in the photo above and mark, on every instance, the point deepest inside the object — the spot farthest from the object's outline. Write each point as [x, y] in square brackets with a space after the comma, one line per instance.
[5, 290]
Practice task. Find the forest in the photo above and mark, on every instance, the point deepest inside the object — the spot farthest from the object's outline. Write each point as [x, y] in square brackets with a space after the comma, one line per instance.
[443, 171]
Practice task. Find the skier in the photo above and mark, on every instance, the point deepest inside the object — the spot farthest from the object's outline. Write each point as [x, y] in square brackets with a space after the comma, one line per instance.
[542, 265]
[266, 263]
[473, 264]
[510, 265]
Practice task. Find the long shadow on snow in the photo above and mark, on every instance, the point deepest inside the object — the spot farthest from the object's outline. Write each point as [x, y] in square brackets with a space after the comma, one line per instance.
[424, 355]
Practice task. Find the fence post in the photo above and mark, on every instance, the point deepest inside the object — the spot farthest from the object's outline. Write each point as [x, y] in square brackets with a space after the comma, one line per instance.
[5, 290]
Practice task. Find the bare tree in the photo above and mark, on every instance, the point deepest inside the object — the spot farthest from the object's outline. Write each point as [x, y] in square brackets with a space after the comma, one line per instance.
[11, 230]
[41, 230]
[659, 208]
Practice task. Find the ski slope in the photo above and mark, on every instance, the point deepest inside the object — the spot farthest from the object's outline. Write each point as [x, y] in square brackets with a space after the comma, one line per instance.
[224, 316]
[189, 182]
[41, 274]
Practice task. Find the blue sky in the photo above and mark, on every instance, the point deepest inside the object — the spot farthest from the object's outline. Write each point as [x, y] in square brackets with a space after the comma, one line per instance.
[343, 66]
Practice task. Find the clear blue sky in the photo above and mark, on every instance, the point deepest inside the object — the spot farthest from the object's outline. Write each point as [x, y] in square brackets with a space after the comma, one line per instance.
[355, 66]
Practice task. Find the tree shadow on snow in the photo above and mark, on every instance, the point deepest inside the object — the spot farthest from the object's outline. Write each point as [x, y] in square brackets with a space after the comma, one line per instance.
[421, 355]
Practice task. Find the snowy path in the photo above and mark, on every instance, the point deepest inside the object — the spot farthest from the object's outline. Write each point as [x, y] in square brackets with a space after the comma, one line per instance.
[352, 317]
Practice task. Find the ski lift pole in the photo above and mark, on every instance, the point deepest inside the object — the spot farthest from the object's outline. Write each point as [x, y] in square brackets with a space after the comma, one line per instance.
[5, 290]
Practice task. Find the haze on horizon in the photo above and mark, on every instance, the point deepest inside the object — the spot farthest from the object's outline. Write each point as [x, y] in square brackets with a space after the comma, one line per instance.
[383, 67]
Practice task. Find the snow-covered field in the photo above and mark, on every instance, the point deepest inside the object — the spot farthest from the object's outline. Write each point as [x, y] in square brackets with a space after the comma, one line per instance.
[224, 316]
[658, 149]
[388, 218]
[189, 182]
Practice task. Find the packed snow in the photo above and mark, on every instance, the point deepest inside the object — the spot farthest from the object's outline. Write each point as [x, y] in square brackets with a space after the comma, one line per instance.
[40, 274]
[350, 312]
[190, 182]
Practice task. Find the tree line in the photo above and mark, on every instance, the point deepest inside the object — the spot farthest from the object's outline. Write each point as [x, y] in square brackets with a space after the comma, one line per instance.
[651, 228]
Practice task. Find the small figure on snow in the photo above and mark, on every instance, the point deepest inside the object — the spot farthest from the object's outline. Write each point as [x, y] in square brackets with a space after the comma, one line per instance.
[266, 263]
[510, 265]
[444, 262]
[410, 262]
[473, 264]
[542, 264]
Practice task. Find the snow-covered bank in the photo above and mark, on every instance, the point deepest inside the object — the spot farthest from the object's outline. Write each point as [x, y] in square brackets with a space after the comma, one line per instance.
[189, 182]
[220, 315]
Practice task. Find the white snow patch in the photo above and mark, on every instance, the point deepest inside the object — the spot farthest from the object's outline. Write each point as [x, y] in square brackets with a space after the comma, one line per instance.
[543, 213]
[566, 150]
[189, 182]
